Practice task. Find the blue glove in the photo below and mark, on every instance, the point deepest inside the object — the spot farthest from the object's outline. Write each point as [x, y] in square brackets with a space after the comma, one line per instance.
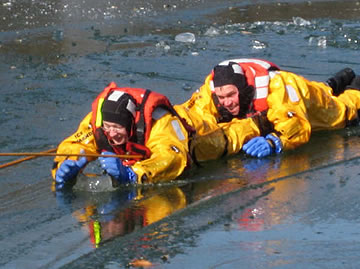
[114, 167]
[263, 146]
[67, 171]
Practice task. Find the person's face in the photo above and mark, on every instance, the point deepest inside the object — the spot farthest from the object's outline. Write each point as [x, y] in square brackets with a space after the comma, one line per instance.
[228, 96]
[115, 132]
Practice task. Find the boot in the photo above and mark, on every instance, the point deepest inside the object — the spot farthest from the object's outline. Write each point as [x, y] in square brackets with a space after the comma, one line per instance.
[355, 83]
[341, 79]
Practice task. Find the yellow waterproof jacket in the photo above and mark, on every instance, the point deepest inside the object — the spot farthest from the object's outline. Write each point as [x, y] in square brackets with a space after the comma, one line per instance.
[297, 107]
[213, 140]
[168, 143]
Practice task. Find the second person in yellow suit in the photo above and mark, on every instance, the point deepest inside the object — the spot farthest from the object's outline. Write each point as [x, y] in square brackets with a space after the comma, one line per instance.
[284, 107]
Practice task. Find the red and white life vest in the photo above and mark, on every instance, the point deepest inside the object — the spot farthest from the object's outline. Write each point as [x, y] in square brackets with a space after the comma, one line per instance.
[146, 102]
[257, 73]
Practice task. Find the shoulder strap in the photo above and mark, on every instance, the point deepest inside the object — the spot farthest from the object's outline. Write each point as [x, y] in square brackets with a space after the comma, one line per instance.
[140, 125]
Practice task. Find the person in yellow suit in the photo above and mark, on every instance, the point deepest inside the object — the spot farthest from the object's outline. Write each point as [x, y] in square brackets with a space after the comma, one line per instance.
[285, 107]
[127, 121]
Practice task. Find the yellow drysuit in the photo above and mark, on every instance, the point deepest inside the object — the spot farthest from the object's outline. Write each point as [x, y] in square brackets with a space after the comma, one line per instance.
[168, 143]
[297, 107]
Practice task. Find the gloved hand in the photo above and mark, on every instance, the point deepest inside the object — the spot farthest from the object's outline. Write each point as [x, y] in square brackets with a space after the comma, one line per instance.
[263, 146]
[258, 147]
[114, 167]
[67, 171]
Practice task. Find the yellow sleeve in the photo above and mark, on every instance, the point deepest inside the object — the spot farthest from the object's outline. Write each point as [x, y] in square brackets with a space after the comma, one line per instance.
[351, 98]
[200, 111]
[213, 140]
[238, 132]
[287, 110]
[82, 139]
[225, 139]
[299, 106]
[168, 143]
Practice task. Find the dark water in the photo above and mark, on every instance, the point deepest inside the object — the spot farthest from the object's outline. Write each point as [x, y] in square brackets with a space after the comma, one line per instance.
[296, 210]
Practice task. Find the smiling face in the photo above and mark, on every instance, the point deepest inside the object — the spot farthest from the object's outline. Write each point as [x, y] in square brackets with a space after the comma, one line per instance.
[116, 133]
[228, 96]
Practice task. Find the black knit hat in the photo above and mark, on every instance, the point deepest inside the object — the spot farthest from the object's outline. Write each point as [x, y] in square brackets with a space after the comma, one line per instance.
[119, 107]
[233, 74]
[229, 74]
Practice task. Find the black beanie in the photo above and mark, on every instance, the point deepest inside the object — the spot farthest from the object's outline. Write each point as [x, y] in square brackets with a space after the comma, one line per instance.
[227, 74]
[233, 74]
[119, 107]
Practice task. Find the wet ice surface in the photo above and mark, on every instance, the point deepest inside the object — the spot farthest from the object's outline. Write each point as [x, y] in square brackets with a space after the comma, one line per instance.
[268, 214]
[55, 56]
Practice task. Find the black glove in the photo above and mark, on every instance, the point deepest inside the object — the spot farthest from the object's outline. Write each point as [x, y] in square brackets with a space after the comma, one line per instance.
[341, 79]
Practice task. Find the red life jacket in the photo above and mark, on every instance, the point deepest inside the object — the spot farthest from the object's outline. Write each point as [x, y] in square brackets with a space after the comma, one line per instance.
[257, 75]
[147, 101]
